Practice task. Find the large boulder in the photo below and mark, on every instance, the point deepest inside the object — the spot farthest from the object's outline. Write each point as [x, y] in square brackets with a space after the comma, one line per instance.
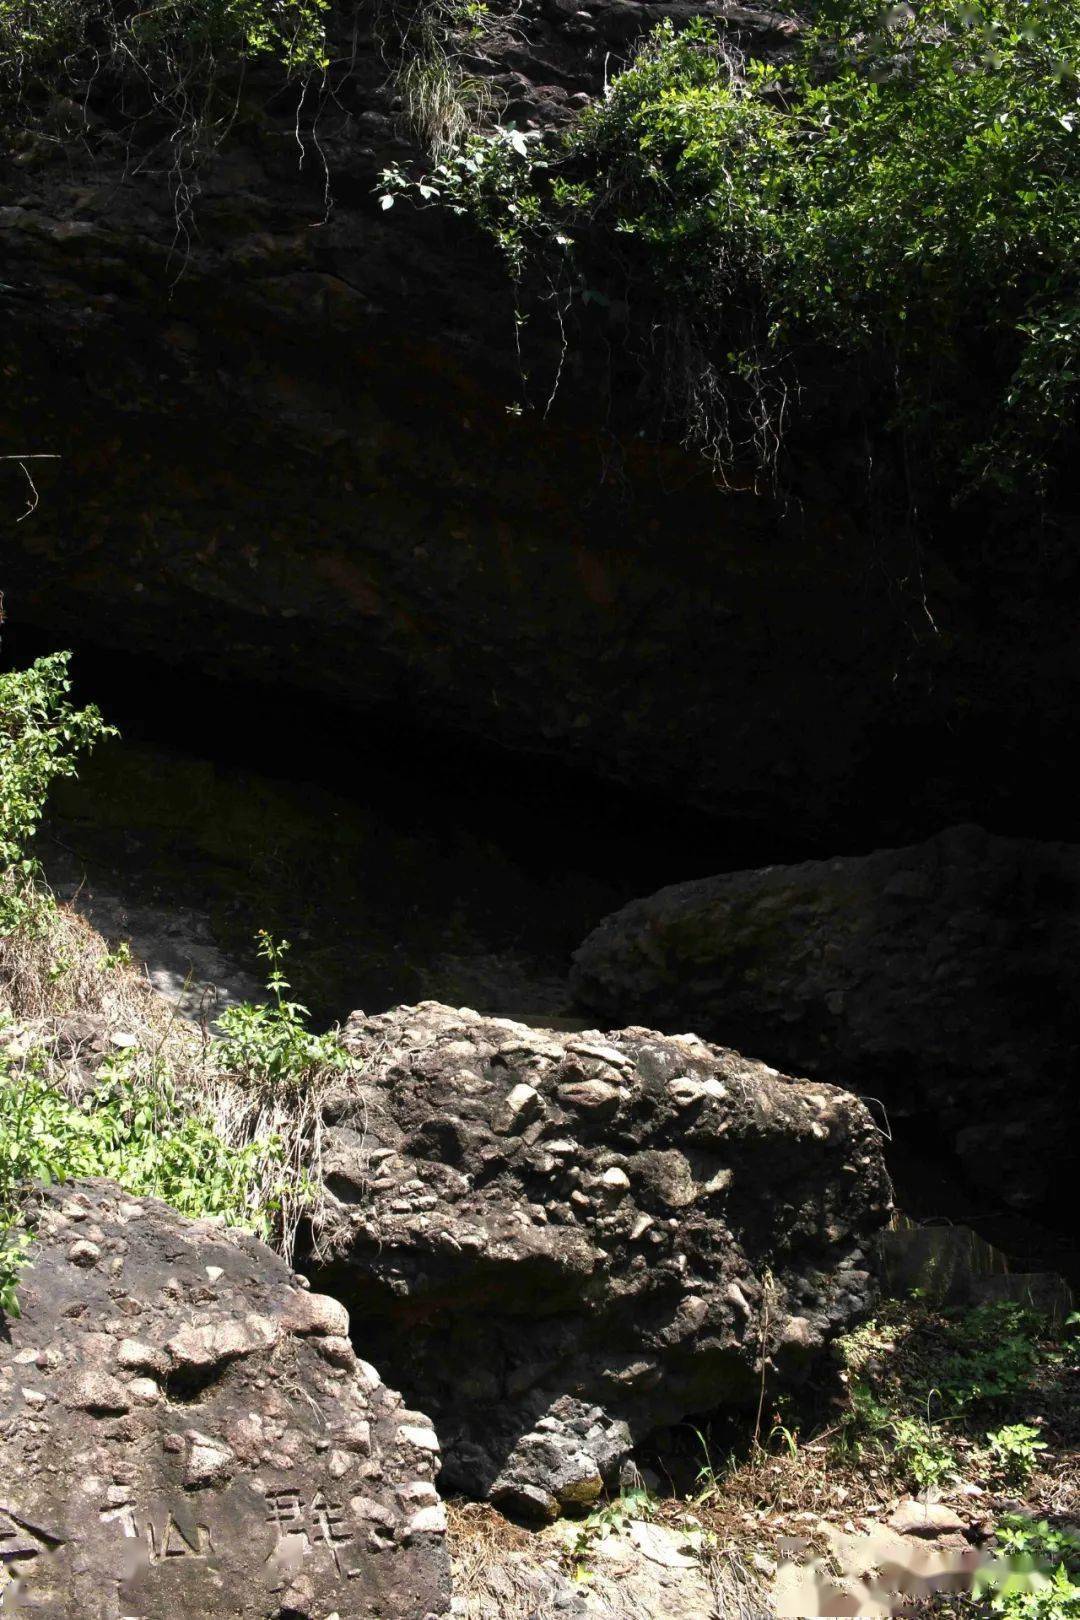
[186, 1431]
[941, 978]
[562, 1241]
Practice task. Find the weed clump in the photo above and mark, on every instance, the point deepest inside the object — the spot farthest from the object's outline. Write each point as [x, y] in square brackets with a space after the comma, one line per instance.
[228, 1127]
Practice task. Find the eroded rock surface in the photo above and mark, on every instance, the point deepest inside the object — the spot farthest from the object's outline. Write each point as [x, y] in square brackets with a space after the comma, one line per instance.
[561, 1241]
[185, 1431]
[941, 978]
[294, 449]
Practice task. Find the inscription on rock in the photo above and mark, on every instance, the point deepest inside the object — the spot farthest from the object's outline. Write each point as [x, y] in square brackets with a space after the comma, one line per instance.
[143, 1516]
[317, 1521]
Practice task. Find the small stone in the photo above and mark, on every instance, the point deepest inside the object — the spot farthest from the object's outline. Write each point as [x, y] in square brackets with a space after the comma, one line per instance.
[355, 1436]
[522, 1104]
[427, 1521]
[600, 1053]
[413, 1435]
[616, 1182]
[145, 1391]
[315, 1313]
[210, 1343]
[207, 1460]
[336, 1350]
[530, 1501]
[98, 1392]
[589, 1097]
[84, 1253]
[685, 1091]
[367, 1375]
[912, 1518]
[135, 1356]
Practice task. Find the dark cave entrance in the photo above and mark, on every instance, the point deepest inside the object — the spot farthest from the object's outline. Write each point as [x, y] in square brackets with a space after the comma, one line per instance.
[407, 864]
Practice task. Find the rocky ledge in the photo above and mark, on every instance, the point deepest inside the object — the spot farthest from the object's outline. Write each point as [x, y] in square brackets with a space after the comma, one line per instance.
[561, 1242]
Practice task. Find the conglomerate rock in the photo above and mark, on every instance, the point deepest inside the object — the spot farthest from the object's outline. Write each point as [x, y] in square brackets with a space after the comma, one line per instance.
[561, 1242]
[184, 1431]
[941, 978]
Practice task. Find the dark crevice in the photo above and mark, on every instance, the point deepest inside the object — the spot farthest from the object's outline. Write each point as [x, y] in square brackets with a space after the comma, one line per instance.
[187, 1385]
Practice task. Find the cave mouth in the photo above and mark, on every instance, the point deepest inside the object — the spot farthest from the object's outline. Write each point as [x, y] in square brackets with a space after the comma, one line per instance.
[401, 862]
[405, 864]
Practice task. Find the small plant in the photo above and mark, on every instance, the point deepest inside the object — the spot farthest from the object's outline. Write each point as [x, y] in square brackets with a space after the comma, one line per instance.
[274, 1073]
[993, 1355]
[51, 38]
[709, 1481]
[1037, 1576]
[611, 1519]
[911, 1446]
[118, 957]
[166, 79]
[900, 191]
[270, 1044]
[923, 1456]
[789, 1438]
[440, 102]
[1015, 1450]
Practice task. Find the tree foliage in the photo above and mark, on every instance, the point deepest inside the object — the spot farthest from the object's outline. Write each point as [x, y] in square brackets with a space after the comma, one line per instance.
[904, 193]
[54, 38]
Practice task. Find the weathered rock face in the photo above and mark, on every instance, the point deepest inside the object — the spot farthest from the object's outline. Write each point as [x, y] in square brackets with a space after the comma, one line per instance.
[560, 1242]
[294, 450]
[942, 978]
[186, 1432]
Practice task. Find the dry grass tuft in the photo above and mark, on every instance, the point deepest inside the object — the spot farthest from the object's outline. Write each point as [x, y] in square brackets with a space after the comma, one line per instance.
[56, 968]
[54, 964]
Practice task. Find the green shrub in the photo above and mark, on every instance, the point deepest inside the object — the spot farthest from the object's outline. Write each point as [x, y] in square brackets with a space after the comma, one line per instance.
[1015, 1450]
[1036, 1576]
[991, 1353]
[904, 193]
[923, 1456]
[137, 1134]
[41, 736]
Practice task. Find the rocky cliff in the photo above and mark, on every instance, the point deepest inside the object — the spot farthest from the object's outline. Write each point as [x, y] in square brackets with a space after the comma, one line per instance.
[294, 445]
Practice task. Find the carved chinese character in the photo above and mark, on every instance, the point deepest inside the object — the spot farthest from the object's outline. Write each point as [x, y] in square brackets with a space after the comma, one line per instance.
[285, 1509]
